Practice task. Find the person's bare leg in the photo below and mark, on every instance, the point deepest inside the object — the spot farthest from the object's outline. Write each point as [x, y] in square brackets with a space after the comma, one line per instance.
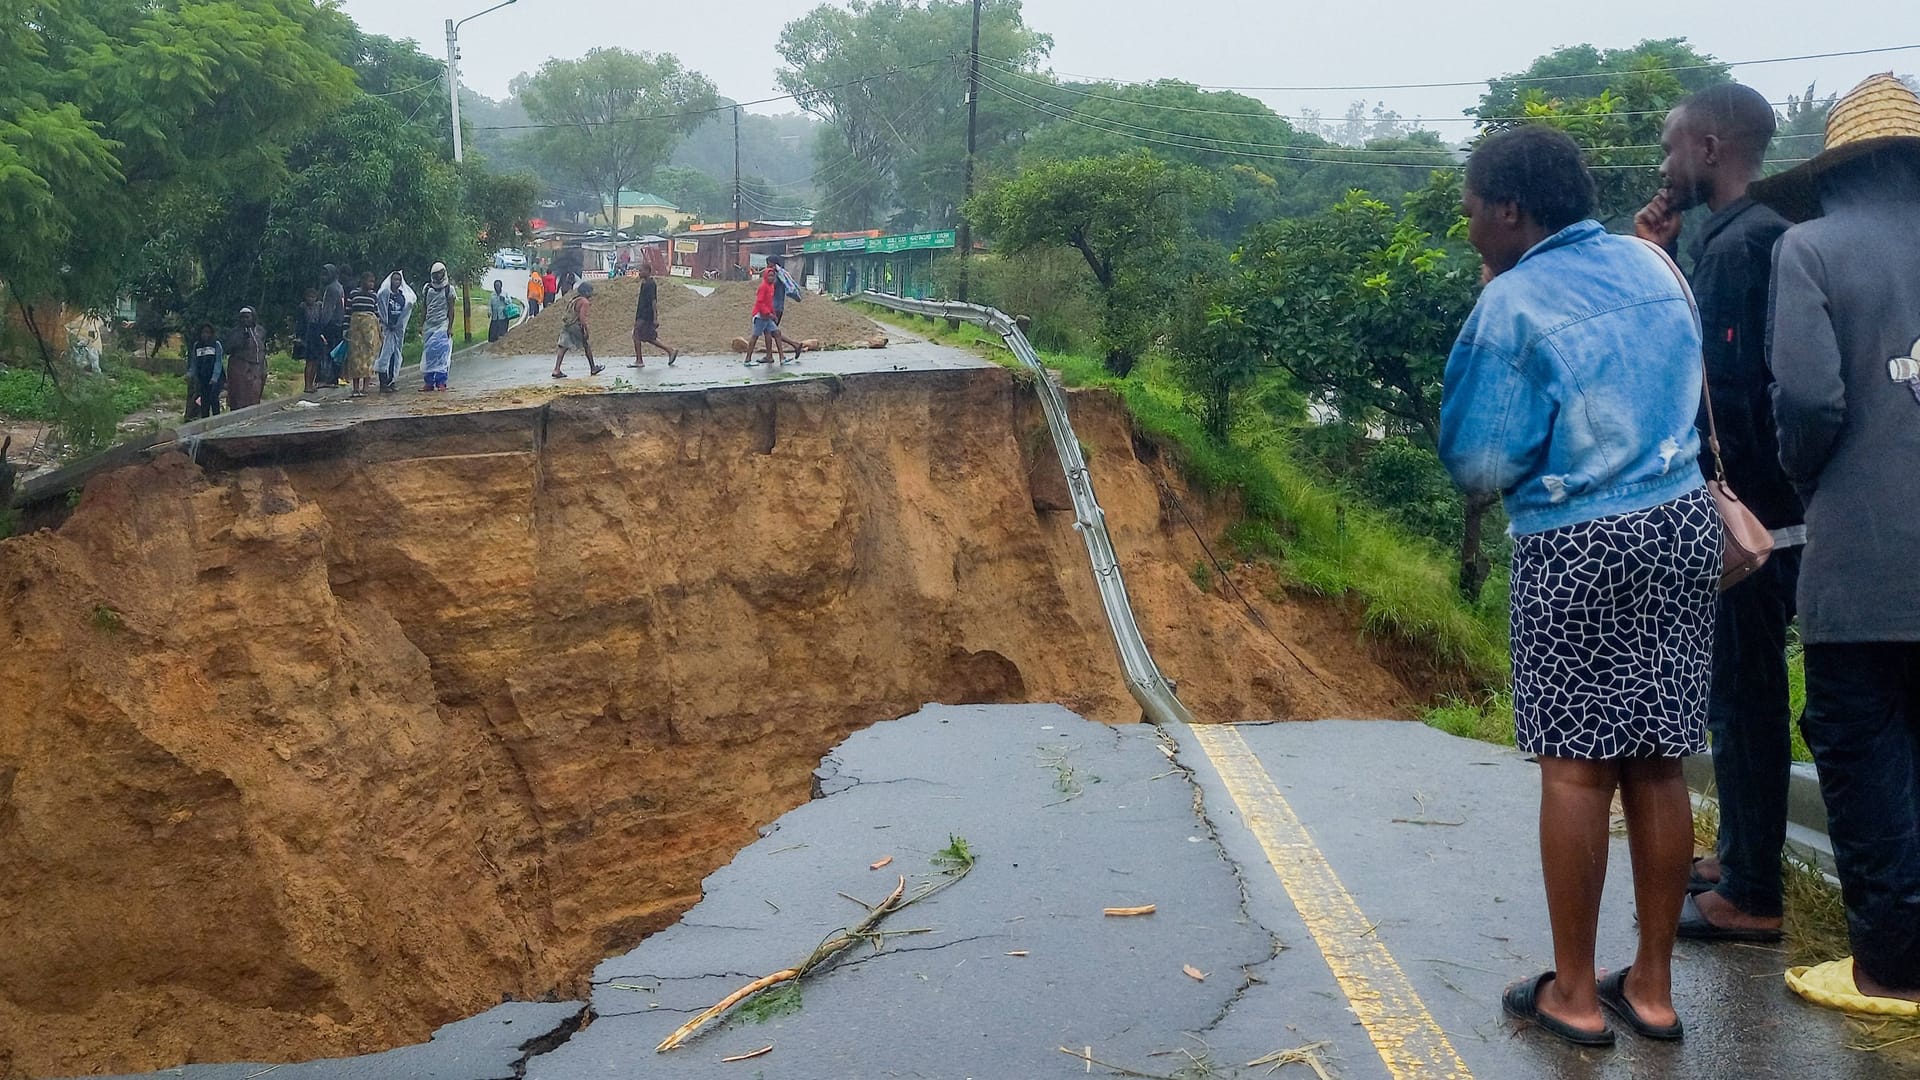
[639, 352]
[1576, 798]
[593, 368]
[751, 342]
[1653, 791]
[562, 355]
[672, 353]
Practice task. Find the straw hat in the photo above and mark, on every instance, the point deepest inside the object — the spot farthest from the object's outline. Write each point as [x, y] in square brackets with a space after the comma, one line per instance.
[1880, 112]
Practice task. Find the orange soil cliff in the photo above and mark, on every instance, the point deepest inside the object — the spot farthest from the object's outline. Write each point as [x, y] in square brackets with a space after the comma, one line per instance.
[306, 759]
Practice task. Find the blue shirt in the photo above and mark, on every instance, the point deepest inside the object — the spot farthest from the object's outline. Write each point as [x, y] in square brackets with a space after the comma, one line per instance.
[1573, 386]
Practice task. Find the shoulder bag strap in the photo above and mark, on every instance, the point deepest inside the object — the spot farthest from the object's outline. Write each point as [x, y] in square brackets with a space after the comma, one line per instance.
[1706, 390]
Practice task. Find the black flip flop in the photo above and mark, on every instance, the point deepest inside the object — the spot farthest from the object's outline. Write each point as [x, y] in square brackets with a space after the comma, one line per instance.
[1522, 1002]
[1697, 884]
[1613, 998]
[1695, 926]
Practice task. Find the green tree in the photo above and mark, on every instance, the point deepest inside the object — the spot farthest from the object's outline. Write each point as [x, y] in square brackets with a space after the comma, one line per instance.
[693, 191]
[616, 114]
[1613, 102]
[117, 111]
[1580, 72]
[1128, 217]
[1360, 305]
[893, 145]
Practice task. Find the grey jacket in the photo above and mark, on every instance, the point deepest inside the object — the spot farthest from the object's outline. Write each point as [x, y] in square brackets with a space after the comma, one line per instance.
[1846, 300]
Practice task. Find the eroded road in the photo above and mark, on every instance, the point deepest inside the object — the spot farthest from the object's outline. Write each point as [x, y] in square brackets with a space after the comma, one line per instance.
[1363, 888]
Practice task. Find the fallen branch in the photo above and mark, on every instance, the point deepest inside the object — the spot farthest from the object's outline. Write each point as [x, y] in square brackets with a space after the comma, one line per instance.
[866, 930]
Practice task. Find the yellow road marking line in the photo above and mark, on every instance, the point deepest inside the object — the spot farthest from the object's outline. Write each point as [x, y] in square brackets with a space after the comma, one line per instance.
[1408, 1038]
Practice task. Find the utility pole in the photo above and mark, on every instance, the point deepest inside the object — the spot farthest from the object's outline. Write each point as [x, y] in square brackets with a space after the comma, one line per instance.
[453, 71]
[734, 265]
[453, 83]
[973, 115]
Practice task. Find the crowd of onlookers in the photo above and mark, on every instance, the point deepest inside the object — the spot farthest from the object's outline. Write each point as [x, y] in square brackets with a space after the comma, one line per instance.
[1656, 573]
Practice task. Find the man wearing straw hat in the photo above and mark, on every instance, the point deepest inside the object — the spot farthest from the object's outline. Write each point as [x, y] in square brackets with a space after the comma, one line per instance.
[1845, 337]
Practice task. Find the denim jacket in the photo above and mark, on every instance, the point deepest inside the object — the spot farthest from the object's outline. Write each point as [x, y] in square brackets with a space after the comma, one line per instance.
[1573, 386]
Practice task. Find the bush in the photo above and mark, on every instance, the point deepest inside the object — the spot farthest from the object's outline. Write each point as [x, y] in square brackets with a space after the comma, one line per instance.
[86, 413]
[24, 394]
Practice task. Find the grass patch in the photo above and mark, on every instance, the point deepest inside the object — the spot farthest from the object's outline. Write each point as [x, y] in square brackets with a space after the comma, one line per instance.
[1488, 719]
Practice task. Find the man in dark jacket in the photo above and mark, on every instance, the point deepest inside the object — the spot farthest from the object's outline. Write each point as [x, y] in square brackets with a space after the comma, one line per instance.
[1715, 142]
[1846, 324]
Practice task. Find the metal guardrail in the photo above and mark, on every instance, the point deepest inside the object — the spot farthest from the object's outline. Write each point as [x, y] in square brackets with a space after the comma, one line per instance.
[1149, 687]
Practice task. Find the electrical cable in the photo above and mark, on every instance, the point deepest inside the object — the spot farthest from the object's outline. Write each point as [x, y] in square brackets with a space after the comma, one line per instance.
[1122, 129]
[794, 96]
[392, 93]
[1269, 114]
[1521, 78]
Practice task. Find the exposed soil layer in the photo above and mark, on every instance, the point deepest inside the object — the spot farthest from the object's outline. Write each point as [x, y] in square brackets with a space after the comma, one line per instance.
[306, 760]
[695, 324]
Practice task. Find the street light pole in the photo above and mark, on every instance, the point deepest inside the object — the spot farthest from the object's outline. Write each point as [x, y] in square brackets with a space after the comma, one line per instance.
[453, 71]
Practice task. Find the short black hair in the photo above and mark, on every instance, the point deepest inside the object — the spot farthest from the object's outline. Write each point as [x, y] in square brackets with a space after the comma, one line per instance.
[1540, 168]
[1738, 115]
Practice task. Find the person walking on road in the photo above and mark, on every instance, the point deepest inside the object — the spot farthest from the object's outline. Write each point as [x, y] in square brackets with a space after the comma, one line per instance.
[206, 373]
[497, 312]
[1572, 392]
[549, 287]
[1846, 364]
[783, 290]
[573, 329]
[1715, 142]
[536, 292]
[764, 324]
[246, 362]
[396, 308]
[646, 320]
[363, 334]
[436, 329]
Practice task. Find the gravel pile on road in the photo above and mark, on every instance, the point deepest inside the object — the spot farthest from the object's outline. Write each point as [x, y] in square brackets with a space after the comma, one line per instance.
[696, 325]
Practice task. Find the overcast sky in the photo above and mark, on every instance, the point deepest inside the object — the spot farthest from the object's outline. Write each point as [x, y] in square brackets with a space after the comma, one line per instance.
[1230, 42]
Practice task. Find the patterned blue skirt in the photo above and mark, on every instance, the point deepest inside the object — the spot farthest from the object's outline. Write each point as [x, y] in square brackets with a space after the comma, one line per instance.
[1613, 633]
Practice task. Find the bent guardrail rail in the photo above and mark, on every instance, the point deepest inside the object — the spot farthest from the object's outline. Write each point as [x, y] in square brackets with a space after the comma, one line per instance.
[1149, 687]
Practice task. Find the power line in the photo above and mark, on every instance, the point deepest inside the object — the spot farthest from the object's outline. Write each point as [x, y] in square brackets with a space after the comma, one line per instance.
[1526, 78]
[794, 96]
[410, 89]
[1270, 114]
[1124, 128]
[1136, 133]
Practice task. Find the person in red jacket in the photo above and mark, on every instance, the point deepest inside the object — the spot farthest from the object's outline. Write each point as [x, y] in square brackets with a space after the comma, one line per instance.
[765, 324]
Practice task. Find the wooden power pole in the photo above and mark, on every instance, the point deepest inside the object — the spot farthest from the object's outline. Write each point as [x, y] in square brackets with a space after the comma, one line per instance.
[733, 265]
[973, 116]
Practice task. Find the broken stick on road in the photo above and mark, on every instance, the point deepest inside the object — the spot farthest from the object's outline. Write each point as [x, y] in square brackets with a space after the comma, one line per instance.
[957, 858]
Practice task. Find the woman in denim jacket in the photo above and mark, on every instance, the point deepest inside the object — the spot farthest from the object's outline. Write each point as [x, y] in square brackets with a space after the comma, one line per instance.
[1572, 392]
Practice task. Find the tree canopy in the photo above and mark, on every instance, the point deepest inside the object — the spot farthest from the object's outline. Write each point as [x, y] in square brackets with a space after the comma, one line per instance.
[894, 145]
[615, 116]
[1127, 216]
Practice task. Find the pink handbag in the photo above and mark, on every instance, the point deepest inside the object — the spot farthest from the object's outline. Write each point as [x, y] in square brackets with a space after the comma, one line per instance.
[1746, 543]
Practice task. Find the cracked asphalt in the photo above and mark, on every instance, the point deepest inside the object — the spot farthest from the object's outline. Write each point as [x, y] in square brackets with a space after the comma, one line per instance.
[1363, 887]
